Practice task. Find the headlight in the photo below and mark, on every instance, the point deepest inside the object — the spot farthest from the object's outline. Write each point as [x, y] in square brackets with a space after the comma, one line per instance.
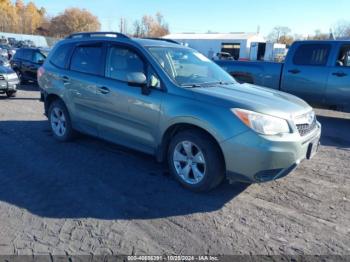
[263, 124]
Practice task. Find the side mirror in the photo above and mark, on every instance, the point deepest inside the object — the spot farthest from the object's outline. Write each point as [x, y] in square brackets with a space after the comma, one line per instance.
[139, 79]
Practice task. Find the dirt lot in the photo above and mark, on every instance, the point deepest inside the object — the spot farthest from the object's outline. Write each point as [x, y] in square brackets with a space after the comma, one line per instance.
[91, 197]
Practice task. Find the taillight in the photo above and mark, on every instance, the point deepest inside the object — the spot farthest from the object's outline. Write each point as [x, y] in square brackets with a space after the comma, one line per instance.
[40, 72]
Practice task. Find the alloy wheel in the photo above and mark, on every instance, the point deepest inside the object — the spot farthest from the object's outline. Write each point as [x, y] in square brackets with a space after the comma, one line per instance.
[189, 162]
[58, 122]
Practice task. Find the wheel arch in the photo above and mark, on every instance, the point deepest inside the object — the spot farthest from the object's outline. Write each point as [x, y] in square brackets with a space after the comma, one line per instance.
[49, 99]
[174, 129]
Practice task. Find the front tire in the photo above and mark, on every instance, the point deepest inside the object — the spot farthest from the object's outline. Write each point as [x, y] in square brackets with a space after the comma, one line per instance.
[195, 161]
[60, 122]
[11, 93]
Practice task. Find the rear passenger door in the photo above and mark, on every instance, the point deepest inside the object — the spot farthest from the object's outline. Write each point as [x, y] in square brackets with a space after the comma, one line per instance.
[85, 77]
[127, 116]
[36, 61]
[305, 74]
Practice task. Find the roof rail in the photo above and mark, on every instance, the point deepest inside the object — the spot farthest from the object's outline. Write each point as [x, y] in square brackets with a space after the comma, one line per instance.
[96, 34]
[163, 39]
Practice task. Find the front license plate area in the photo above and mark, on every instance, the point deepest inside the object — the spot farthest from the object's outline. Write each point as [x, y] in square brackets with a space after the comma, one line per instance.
[313, 148]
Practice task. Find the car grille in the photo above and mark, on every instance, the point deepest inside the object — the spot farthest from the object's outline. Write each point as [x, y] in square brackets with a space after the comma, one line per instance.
[2, 77]
[305, 129]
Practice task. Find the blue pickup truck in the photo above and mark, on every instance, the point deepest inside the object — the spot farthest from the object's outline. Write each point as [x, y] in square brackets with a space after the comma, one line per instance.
[316, 71]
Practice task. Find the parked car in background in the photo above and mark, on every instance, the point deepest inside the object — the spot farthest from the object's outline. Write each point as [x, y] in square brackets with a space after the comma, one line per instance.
[172, 102]
[4, 62]
[7, 51]
[26, 62]
[316, 71]
[3, 40]
[29, 43]
[12, 41]
[3, 51]
[8, 81]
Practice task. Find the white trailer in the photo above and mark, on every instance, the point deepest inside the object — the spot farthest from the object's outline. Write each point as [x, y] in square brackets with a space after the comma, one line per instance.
[267, 51]
[237, 44]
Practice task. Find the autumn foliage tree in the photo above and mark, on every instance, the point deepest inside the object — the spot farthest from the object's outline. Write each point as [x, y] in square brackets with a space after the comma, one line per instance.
[29, 19]
[8, 16]
[150, 26]
[74, 20]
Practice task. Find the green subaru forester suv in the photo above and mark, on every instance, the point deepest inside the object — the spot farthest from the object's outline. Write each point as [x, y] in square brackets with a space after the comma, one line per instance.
[170, 101]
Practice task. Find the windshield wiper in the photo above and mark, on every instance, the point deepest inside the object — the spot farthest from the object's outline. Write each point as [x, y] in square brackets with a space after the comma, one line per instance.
[191, 85]
[206, 84]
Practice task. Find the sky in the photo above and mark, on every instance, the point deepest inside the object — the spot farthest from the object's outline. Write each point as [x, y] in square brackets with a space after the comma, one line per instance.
[224, 16]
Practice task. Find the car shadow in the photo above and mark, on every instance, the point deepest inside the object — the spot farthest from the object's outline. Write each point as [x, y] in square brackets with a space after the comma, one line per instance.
[29, 86]
[4, 97]
[335, 131]
[90, 178]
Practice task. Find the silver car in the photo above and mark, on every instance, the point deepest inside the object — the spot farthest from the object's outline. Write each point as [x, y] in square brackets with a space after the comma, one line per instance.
[8, 81]
[174, 103]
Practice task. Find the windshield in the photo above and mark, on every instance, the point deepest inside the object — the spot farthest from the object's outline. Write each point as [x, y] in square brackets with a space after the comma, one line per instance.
[189, 68]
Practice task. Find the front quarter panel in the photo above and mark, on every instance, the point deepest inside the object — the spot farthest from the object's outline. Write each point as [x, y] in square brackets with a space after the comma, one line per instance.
[219, 121]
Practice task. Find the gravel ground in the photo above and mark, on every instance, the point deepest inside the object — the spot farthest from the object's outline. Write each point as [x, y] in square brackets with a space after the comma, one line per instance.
[91, 197]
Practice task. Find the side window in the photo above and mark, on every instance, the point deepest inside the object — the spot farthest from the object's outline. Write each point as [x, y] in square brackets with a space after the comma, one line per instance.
[27, 54]
[61, 56]
[38, 58]
[18, 54]
[312, 54]
[344, 56]
[87, 59]
[122, 63]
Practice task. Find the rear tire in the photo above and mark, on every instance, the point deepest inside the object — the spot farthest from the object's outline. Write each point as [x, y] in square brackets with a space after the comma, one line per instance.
[195, 160]
[20, 76]
[60, 121]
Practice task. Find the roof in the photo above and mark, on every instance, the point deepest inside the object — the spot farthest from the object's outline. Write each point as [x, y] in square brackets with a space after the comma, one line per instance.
[321, 41]
[211, 36]
[153, 42]
[141, 41]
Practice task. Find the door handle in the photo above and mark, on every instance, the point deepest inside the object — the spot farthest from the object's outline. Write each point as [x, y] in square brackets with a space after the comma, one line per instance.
[294, 71]
[103, 90]
[339, 74]
[65, 79]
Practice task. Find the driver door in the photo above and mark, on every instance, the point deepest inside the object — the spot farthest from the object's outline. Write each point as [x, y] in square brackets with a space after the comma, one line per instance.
[37, 61]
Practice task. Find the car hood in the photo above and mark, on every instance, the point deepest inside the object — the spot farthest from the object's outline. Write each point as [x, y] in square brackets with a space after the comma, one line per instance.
[254, 98]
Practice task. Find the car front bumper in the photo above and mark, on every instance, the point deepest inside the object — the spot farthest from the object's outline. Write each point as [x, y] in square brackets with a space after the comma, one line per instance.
[254, 158]
[9, 85]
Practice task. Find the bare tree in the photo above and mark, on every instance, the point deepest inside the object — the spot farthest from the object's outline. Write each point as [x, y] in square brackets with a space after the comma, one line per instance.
[279, 33]
[319, 36]
[150, 26]
[342, 29]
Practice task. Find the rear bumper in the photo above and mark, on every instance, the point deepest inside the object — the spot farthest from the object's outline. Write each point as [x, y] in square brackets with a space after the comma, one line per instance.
[253, 158]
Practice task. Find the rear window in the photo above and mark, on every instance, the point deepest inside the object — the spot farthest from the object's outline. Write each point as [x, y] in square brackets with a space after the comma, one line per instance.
[309, 54]
[61, 55]
[87, 59]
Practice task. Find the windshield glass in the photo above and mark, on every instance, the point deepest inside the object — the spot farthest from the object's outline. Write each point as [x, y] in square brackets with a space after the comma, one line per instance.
[189, 68]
